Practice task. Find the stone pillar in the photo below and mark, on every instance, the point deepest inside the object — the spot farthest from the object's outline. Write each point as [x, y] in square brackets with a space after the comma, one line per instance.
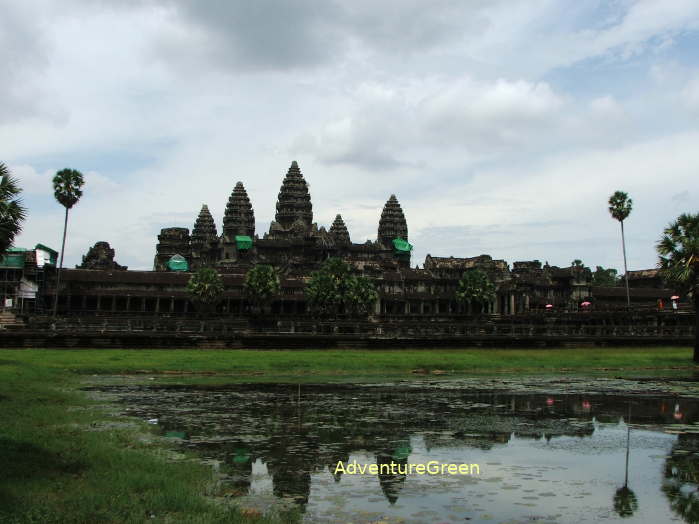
[157, 304]
[172, 304]
[99, 303]
[128, 303]
[526, 302]
[512, 304]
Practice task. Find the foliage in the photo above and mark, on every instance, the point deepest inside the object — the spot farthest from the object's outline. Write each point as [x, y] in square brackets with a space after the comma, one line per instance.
[577, 263]
[475, 288]
[206, 287]
[12, 213]
[604, 277]
[67, 187]
[262, 284]
[679, 261]
[679, 253]
[620, 205]
[625, 502]
[334, 289]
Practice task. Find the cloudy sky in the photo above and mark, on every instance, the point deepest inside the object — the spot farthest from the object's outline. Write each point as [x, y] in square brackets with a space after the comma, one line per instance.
[501, 126]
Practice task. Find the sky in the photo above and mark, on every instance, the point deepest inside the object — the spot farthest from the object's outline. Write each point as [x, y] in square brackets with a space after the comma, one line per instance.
[502, 126]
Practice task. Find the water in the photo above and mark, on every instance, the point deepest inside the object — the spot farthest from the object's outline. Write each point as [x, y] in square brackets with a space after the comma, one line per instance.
[541, 456]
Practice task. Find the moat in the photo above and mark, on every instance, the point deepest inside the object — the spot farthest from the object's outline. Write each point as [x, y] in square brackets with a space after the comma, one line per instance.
[548, 449]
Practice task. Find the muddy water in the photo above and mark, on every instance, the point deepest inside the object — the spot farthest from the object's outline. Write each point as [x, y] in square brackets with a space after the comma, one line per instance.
[552, 453]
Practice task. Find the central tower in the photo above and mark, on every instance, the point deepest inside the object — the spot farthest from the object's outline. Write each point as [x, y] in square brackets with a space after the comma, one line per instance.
[294, 201]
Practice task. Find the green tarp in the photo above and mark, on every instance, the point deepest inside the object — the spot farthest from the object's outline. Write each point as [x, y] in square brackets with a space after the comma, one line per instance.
[177, 263]
[13, 258]
[243, 242]
[402, 246]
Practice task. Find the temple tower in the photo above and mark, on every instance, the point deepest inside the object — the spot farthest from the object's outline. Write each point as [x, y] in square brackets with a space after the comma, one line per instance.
[172, 241]
[204, 239]
[240, 217]
[294, 201]
[339, 231]
[392, 224]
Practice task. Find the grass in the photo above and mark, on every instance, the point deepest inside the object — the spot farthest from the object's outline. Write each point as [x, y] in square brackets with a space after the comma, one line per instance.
[60, 464]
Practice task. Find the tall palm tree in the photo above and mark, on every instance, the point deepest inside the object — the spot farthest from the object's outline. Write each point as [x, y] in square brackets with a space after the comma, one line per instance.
[12, 213]
[679, 261]
[67, 186]
[620, 208]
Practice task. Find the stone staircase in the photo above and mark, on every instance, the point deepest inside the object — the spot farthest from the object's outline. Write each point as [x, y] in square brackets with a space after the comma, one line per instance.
[8, 320]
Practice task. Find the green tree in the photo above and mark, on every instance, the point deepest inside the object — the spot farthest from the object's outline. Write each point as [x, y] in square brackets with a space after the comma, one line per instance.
[67, 189]
[620, 208]
[678, 249]
[12, 212]
[334, 289]
[206, 289]
[577, 263]
[261, 285]
[475, 288]
[604, 277]
[360, 296]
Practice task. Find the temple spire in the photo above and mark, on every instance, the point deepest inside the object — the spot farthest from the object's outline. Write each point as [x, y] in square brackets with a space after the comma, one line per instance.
[339, 231]
[204, 228]
[239, 218]
[392, 224]
[294, 201]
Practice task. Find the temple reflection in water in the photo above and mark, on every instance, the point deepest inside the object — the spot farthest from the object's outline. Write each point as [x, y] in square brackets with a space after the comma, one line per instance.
[290, 438]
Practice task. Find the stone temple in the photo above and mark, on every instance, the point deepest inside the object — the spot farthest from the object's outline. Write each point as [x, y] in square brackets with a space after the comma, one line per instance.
[296, 246]
[294, 243]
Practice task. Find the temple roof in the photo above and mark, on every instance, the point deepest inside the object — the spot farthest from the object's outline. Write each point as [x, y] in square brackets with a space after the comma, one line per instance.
[392, 223]
[239, 218]
[339, 231]
[204, 228]
[294, 201]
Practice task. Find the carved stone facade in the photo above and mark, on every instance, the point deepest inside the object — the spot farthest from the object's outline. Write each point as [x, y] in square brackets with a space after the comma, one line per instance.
[294, 243]
[100, 256]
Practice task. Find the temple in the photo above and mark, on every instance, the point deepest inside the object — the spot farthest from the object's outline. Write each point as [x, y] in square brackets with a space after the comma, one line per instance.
[296, 246]
[294, 243]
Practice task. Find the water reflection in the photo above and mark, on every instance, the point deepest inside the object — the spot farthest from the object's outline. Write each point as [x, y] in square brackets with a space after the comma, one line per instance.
[548, 457]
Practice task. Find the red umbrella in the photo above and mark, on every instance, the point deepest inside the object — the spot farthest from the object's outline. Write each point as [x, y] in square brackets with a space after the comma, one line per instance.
[586, 303]
[549, 306]
[674, 297]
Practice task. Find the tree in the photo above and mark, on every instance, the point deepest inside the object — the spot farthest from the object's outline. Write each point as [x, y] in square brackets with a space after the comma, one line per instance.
[206, 289]
[12, 212]
[577, 263]
[261, 285]
[679, 262]
[360, 296]
[67, 189]
[604, 277]
[333, 289]
[620, 208]
[475, 288]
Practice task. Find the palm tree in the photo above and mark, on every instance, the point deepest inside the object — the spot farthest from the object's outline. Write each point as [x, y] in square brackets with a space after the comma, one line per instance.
[206, 289]
[67, 186]
[261, 285]
[12, 213]
[679, 261]
[620, 208]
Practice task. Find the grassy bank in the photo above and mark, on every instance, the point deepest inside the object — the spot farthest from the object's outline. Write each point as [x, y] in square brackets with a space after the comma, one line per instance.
[350, 362]
[66, 459]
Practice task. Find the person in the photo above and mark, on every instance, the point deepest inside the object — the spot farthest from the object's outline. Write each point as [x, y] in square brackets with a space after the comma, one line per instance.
[661, 304]
[674, 305]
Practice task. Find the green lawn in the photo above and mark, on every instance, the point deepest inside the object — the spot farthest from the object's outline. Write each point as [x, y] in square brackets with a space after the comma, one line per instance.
[60, 464]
